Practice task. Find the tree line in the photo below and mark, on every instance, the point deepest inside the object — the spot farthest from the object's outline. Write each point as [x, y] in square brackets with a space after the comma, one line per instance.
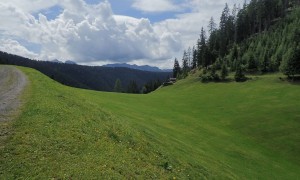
[133, 87]
[92, 77]
[262, 36]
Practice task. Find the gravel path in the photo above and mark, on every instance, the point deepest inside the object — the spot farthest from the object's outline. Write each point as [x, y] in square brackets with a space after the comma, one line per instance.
[12, 82]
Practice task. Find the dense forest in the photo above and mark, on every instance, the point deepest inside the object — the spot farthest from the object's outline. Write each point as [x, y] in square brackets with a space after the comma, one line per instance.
[94, 78]
[261, 37]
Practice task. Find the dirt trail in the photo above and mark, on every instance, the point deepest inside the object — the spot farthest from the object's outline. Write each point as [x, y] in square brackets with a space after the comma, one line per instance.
[12, 82]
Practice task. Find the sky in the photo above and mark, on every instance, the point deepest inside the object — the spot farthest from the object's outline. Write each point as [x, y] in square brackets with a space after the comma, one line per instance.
[97, 32]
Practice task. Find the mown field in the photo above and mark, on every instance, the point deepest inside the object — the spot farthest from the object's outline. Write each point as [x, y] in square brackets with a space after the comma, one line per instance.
[190, 130]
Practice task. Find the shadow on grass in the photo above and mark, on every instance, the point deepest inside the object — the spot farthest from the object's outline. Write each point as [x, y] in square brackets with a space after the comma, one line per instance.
[229, 80]
[292, 80]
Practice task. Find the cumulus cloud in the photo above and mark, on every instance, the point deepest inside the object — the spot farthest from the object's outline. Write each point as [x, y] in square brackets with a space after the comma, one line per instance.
[14, 47]
[91, 34]
[154, 6]
[189, 24]
[30, 5]
[87, 33]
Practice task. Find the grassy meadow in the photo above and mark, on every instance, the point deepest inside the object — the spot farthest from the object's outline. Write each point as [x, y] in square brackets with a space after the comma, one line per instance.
[187, 131]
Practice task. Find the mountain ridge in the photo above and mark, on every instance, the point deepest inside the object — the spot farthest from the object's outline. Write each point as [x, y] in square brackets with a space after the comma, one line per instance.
[87, 77]
[137, 67]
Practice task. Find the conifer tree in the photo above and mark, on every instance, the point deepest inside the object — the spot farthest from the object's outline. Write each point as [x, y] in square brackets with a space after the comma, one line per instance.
[291, 64]
[239, 73]
[189, 57]
[133, 87]
[194, 60]
[202, 49]
[118, 86]
[176, 69]
[223, 30]
[185, 65]
[211, 25]
[251, 62]
[224, 71]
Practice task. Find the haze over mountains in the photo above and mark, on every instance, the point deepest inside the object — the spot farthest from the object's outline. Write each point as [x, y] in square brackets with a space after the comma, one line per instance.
[67, 62]
[88, 77]
[134, 66]
[123, 65]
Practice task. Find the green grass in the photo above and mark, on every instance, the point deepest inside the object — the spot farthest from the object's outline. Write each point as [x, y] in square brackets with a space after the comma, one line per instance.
[203, 131]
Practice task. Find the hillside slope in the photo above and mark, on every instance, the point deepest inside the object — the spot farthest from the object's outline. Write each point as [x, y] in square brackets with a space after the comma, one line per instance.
[87, 77]
[189, 130]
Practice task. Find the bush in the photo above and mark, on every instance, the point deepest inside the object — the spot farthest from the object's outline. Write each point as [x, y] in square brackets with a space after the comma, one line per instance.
[206, 78]
[212, 76]
[239, 74]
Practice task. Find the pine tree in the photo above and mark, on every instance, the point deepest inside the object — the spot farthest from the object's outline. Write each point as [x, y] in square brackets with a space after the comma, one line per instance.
[224, 17]
[133, 87]
[202, 49]
[265, 62]
[223, 30]
[176, 69]
[189, 57]
[118, 86]
[210, 53]
[211, 25]
[224, 71]
[251, 62]
[291, 64]
[239, 74]
[213, 74]
[235, 52]
[194, 60]
[234, 15]
[242, 25]
[185, 64]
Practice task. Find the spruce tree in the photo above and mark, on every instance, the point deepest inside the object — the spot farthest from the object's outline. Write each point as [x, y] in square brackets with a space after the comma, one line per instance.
[224, 71]
[291, 64]
[194, 60]
[185, 64]
[118, 86]
[213, 73]
[202, 49]
[251, 62]
[133, 87]
[211, 25]
[223, 30]
[239, 74]
[189, 57]
[176, 69]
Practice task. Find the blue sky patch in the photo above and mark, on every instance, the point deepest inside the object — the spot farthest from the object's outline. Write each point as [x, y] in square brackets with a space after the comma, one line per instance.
[50, 13]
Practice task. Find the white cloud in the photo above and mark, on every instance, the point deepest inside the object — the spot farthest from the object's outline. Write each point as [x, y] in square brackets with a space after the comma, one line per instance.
[31, 5]
[87, 33]
[14, 47]
[93, 33]
[154, 6]
[189, 24]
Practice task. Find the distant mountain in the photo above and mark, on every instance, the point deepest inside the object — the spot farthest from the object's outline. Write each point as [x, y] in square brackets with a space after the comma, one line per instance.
[142, 68]
[70, 62]
[87, 77]
[56, 61]
[61, 62]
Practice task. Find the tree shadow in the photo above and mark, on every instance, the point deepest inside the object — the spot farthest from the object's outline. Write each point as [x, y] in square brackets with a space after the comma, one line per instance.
[295, 80]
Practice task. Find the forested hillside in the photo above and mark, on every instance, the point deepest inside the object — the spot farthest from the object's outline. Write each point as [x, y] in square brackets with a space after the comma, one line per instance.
[95, 78]
[263, 36]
